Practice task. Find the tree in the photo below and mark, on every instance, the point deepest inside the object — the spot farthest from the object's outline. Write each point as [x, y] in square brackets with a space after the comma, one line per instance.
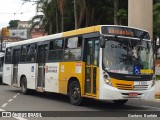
[61, 5]
[73, 14]
[13, 24]
[46, 19]
[122, 16]
[79, 12]
[116, 3]
[156, 19]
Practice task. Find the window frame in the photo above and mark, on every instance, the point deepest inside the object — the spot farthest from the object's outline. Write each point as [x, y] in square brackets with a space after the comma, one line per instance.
[10, 55]
[80, 37]
[55, 50]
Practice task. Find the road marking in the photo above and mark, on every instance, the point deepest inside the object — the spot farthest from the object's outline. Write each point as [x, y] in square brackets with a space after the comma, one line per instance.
[157, 100]
[2, 110]
[18, 118]
[10, 100]
[4, 105]
[15, 96]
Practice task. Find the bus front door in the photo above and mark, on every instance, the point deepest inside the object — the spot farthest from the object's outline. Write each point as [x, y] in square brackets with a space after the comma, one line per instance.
[41, 59]
[91, 60]
[15, 60]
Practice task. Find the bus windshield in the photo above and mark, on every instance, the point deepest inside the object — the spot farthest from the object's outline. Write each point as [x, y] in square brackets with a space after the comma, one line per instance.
[128, 56]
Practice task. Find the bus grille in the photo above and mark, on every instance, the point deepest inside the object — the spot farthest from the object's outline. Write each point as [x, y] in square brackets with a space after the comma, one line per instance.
[124, 86]
[140, 87]
[131, 87]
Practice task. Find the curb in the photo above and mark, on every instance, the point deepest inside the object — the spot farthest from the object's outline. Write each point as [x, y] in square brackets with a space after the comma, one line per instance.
[157, 100]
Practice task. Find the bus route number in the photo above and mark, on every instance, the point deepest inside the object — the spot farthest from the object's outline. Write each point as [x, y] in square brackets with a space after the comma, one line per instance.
[143, 83]
[140, 83]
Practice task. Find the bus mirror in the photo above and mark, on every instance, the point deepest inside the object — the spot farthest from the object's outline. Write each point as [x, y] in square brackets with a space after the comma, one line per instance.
[102, 42]
[156, 41]
[156, 48]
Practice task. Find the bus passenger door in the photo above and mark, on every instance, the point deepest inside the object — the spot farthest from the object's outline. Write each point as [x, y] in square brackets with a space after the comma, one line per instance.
[15, 61]
[41, 60]
[91, 59]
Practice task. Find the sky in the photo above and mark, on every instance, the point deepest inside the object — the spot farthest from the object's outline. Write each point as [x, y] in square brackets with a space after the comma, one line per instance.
[16, 10]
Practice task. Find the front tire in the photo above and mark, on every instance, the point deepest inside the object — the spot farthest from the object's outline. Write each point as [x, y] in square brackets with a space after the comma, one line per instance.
[75, 93]
[24, 89]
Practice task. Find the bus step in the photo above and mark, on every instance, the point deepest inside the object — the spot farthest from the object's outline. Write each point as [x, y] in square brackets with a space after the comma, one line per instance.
[15, 85]
[40, 89]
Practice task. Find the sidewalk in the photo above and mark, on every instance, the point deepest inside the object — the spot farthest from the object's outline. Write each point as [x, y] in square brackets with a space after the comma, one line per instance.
[157, 98]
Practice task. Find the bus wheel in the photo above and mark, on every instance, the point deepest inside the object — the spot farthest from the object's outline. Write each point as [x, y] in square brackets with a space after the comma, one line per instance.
[24, 86]
[120, 102]
[75, 93]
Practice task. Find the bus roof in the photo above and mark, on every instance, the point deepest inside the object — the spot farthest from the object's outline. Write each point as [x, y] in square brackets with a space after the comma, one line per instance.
[65, 34]
[34, 40]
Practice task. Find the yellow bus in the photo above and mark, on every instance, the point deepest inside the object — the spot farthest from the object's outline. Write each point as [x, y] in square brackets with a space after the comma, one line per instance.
[103, 62]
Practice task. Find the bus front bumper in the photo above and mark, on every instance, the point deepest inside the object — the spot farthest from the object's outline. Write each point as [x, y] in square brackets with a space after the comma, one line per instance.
[112, 93]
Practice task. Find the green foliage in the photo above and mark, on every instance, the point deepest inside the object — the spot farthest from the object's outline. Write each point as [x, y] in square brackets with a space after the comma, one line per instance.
[59, 15]
[156, 19]
[13, 24]
[122, 16]
[157, 77]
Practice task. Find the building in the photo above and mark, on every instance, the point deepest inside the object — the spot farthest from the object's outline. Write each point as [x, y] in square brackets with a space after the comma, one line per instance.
[24, 25]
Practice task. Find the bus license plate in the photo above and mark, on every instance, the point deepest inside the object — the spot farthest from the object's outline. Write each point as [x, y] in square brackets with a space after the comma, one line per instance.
[133, 94]
[140, 83]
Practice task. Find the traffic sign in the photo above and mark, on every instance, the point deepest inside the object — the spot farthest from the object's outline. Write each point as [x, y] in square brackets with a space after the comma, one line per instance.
[5, 32]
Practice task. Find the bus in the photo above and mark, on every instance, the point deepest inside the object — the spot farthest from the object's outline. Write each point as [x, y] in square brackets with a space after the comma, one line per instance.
[1, 65]
[103, 62]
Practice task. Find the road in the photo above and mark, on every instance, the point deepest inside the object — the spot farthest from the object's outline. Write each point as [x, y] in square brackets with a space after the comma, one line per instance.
[12, 100]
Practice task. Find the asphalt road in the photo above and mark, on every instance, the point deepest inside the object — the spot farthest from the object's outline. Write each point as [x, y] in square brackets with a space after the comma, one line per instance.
[58, 107]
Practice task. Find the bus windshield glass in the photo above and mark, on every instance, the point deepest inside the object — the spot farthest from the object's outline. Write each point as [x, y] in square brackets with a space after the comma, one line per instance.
[128, 56]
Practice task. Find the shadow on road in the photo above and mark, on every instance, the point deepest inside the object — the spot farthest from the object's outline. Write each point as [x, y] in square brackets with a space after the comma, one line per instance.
[88, 103]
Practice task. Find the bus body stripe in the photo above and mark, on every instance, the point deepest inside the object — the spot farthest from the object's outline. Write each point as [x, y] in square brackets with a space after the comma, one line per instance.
[82, 31]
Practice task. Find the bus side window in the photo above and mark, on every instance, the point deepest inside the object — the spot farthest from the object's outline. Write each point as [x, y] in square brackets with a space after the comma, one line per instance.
[73, 48]
[31, 56]
[16, 54]
[55, 50]
[23, 53]
[8, 57]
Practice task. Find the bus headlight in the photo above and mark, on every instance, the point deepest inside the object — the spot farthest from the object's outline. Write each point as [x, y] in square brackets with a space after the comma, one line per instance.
[107, 79]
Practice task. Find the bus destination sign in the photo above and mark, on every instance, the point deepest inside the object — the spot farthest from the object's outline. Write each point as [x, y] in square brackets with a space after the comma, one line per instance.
[125, 31]
[122, 32]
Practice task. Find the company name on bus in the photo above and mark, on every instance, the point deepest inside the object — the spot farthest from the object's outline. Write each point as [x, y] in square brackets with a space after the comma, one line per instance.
[120, 32]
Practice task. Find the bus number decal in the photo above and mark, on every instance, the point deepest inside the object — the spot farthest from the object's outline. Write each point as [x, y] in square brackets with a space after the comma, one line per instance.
[78, 67]
[32, 69]
[50, 69]
[62, 68]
